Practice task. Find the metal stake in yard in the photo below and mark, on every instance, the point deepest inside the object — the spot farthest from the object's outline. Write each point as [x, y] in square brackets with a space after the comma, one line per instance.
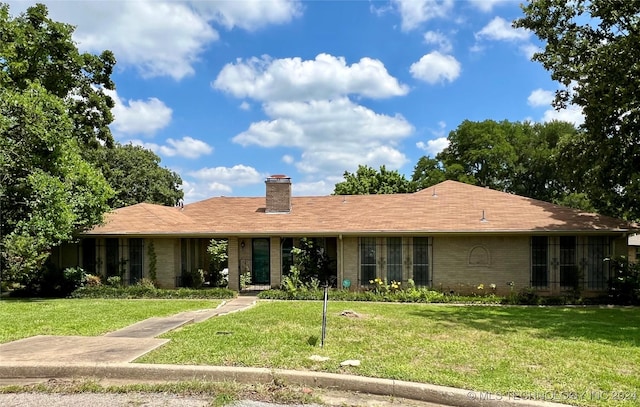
[324, 314]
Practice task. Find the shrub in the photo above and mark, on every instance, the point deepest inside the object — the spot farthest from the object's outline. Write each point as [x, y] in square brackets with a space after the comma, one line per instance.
[72, 279]
[624, 286]
[92, 280]
[146, 283]
[528, 296]
[114, 281]
[146, 291]
[197, 278]
[424, 295]
[245, 280]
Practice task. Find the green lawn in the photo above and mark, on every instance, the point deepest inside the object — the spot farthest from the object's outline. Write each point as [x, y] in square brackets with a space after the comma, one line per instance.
[533, 350]
[84, 317]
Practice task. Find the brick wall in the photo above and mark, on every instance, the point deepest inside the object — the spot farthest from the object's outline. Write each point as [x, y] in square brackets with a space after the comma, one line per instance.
[234, 263]
[457, 263]
[275, 258]
[278, 196]
[461, 263]
[167, 254]
[350, 267]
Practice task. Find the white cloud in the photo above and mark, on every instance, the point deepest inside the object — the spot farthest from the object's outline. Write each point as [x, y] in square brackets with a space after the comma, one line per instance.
[436, 67]
[333, 134]
[500, 29]
[159, 38]
[488, 5]
[187, 147]
[163, 38]
[138, 116]
[308, 107]
[433, 147]
[440, 40]
[540, 97]
[238, 175]
[245, 106]
[416, 12]
[217, 187]
[529, 49]
[324, 77]
[249, 15]
[572, 113]
[322, 187]
[216, 181]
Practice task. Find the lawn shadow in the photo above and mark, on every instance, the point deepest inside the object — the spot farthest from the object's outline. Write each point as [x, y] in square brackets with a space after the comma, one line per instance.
[618, 326]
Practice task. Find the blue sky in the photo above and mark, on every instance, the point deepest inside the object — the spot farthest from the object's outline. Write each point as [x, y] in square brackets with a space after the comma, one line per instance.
[229, 92]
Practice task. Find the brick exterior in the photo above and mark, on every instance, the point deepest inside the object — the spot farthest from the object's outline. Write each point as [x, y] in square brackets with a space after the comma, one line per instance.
[275, 254]
[234, 263]
[455, 265]
[463, 250]
[278, 196]
[461, 263]
[350, 267]
[167, 261]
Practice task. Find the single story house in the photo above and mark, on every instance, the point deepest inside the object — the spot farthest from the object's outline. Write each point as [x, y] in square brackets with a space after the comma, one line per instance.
[451, 236]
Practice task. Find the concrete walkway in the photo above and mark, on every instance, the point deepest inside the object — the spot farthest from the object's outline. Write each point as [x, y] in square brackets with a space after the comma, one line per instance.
[121, 346]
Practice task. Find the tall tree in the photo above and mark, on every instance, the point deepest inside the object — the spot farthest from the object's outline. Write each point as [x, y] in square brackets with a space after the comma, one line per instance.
[593, 49]
[482, 152]
[427, 172]
[33, 47]
[50, 108]
[136, 176]
[529, 159]
[47, 190]
[367, 180]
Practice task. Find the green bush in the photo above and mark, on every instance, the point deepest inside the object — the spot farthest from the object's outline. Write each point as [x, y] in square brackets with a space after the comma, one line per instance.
[410, 295]
[72, 279]
[114, 281]
[147, 291]
[624, 286]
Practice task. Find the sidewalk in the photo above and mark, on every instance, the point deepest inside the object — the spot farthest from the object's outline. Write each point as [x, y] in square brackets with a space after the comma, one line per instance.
[121, 346]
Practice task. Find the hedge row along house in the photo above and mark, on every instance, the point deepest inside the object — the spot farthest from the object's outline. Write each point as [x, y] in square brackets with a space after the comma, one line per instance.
[451, 237]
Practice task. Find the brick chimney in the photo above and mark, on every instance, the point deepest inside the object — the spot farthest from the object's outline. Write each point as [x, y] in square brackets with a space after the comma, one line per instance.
[278, 194]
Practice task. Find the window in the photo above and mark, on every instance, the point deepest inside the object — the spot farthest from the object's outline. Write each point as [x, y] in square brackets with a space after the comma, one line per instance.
[421, 261]
[597, 270]
[136, 256]
[287, 256]
[89, 255]
[394, 259]
[367, 259]
[539, 261]
[569, 275]
[113, 257]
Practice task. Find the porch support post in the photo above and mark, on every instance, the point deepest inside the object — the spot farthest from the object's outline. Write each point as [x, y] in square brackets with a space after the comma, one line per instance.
[275, 266]
[234, 264]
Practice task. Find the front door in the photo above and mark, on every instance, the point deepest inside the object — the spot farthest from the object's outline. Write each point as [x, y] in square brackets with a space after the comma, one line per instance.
[260, 261]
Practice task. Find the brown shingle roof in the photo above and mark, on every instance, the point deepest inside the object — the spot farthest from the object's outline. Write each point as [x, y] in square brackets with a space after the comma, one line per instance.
[449, 207]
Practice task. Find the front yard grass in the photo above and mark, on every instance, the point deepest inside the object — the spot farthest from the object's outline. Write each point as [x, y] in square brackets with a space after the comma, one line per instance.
[84, 317]
[575, 355]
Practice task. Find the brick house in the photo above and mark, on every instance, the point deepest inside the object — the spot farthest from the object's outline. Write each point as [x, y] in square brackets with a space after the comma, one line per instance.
[451, 237]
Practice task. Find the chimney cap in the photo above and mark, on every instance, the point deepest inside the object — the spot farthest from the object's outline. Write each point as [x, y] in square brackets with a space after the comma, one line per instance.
[278, 178]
